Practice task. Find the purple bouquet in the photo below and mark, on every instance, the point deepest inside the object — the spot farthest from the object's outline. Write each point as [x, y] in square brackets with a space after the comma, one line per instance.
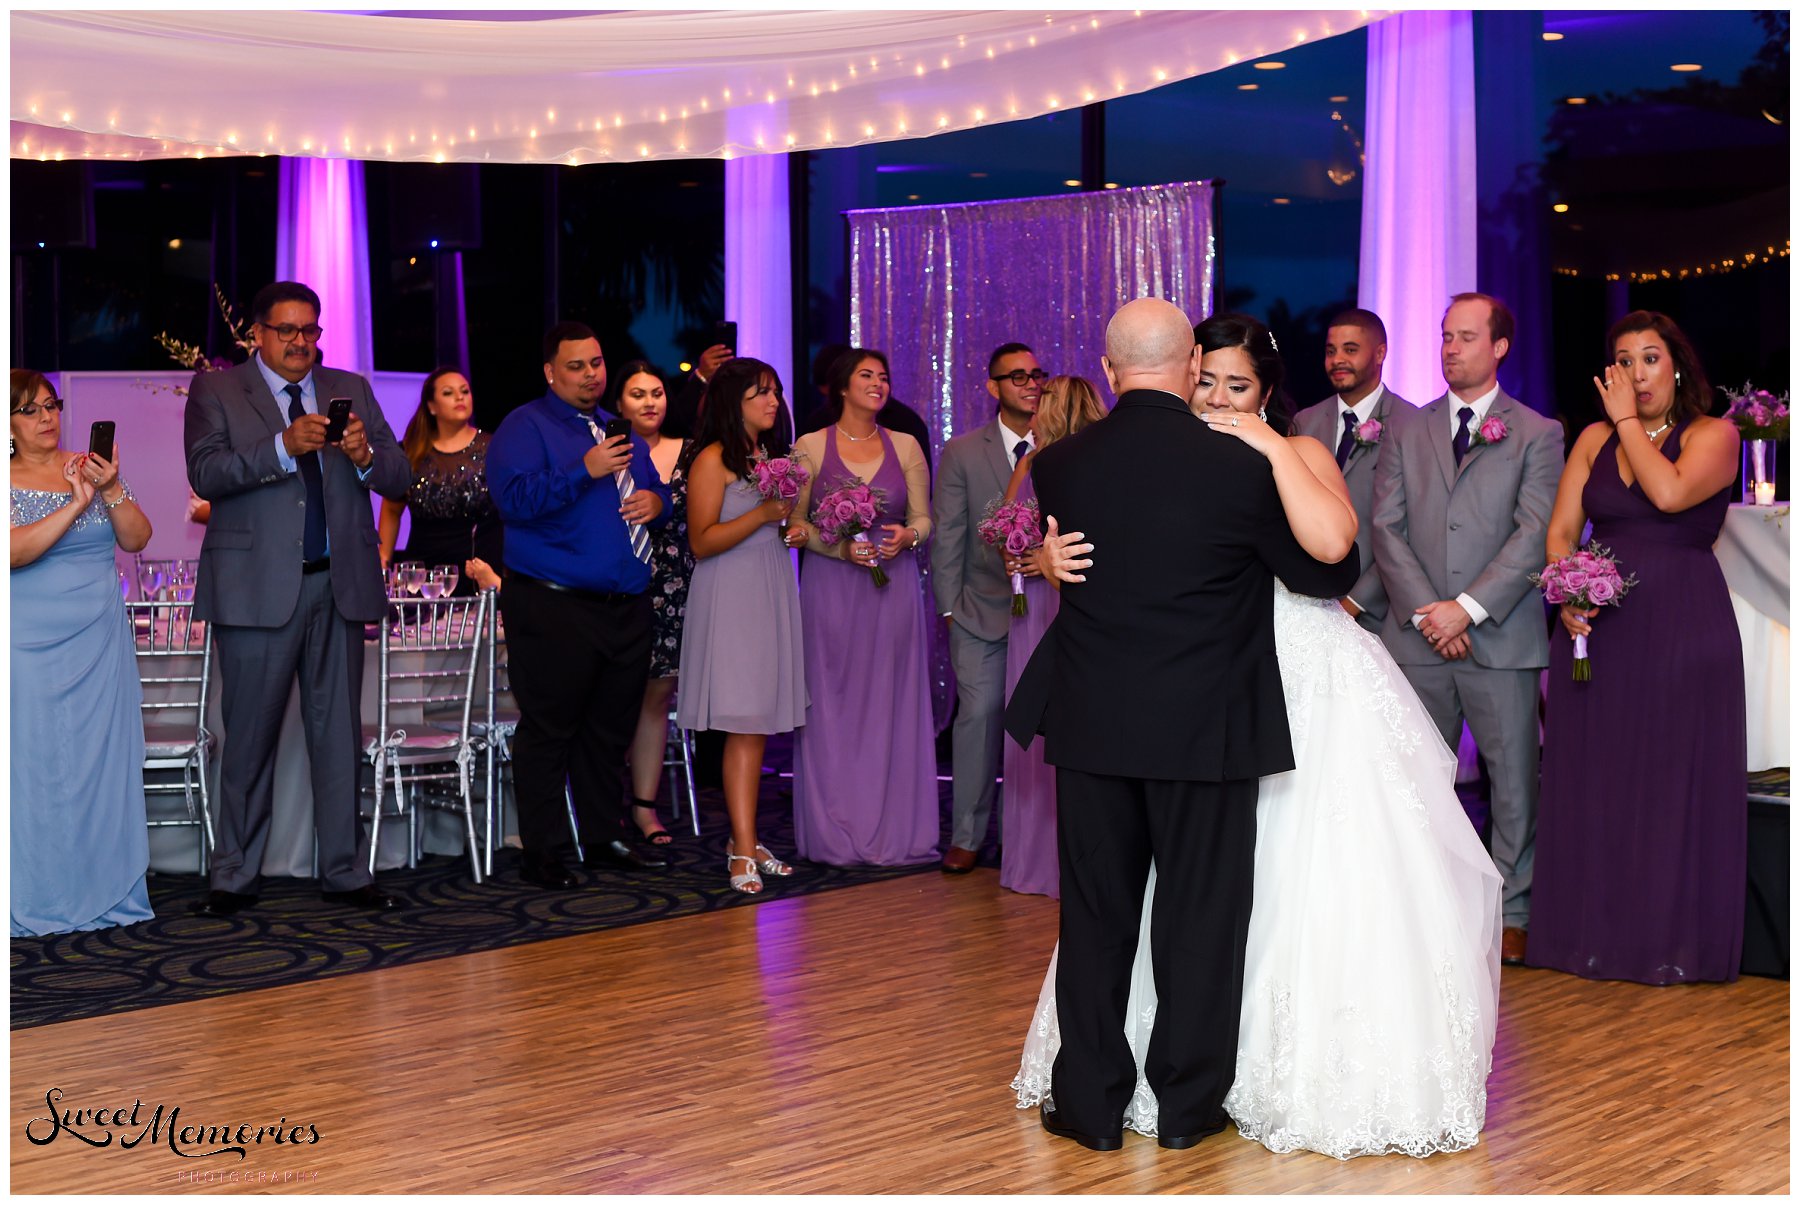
[1013, 528]
[1758, 413]
[779, 479]
[848, 513]
[1586, 578]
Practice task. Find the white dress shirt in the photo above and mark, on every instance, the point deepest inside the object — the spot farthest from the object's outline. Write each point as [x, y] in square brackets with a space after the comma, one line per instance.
[1009, 441]
[1364, 410]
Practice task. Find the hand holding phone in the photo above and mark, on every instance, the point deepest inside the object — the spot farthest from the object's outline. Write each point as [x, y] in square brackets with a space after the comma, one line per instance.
[100, 440]
[616, 427]
[337, 417]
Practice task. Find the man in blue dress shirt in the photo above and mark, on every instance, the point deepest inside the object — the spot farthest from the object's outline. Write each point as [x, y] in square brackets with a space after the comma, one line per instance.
[575, 604]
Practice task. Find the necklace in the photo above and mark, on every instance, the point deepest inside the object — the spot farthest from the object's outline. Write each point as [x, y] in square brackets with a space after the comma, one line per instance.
[856, 439]
[1667, 423]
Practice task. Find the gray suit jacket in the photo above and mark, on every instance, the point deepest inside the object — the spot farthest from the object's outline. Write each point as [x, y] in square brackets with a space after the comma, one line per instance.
[250, 557]
[1442, 529]
[968, 577]
[1321, 422]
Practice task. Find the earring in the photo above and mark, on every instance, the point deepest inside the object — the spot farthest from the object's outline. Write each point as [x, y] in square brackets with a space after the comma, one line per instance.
[1678, 378]
[1263, 413]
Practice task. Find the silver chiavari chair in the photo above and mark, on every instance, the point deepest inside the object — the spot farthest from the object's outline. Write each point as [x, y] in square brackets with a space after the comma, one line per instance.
[430, 654]
[174, 658]
[678, 756]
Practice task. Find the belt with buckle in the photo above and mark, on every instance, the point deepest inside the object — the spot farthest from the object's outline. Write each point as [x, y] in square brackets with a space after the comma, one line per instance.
[318, 566]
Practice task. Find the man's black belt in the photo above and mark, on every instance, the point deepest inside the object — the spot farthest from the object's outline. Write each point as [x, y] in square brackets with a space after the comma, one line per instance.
[318, 566]
[605, 596]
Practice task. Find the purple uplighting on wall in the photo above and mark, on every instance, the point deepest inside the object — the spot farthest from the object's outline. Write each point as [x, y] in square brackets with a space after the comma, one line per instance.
[321, 240]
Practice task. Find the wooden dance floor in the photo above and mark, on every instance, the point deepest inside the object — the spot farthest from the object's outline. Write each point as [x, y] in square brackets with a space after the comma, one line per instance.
[853, 1041]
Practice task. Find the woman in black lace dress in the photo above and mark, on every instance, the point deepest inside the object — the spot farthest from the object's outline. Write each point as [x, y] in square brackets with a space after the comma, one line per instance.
[643, 400]
[454, 521]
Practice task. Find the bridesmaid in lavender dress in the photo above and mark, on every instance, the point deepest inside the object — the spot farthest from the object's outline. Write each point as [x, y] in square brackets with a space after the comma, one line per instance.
[742, 670]
[1641, 824]
[1028, 787]
[865, 771]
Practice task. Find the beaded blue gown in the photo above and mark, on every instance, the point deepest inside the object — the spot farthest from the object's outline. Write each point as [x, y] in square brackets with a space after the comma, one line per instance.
[79, 846]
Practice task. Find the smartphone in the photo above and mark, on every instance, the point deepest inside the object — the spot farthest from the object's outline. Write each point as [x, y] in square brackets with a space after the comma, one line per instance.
[616, 427]
[100, 439]
[725, 331]
[337, 417]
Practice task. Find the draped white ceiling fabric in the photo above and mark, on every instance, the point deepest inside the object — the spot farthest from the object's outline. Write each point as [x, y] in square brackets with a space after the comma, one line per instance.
[591, 88]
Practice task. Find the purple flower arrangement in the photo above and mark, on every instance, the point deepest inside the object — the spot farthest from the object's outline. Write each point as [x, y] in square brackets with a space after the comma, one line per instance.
[778, 479]
[1758, 413]
[1586, 578]
[1013, 528]
[848, 513]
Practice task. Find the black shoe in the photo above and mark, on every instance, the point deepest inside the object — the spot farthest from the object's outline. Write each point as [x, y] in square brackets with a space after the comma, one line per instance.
[1093, 1142]
[1181, 1142]
[367, 896]
[222, 903]
[616, 855]
[553, 875]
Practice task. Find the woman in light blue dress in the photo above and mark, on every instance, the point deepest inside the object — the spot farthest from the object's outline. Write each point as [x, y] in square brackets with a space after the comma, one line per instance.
[79, 846]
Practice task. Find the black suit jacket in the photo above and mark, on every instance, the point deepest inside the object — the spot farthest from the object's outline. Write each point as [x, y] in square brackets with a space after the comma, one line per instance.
[1162, 663]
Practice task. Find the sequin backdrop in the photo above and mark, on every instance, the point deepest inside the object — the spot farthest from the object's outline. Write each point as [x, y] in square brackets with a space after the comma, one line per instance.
[938, 287]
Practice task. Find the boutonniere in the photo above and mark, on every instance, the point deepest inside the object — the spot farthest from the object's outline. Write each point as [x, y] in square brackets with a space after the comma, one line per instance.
[1369, 433]
[1491, 431]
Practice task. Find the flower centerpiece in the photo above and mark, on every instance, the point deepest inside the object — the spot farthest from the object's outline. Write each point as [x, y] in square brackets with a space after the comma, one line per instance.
[848, 513]
[1762, 419]
[190, 355]
[1585, 579]
[1013, 528]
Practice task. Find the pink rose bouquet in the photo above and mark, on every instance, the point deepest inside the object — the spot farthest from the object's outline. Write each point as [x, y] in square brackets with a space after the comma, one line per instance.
[780, 478]
[849, 513]
[1586, 578]
[1013, 528]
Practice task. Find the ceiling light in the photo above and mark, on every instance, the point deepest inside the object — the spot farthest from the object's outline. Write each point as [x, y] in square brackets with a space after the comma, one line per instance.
[1684, 66]
[1561, 207]
[977, 175]
[174, 244]
[1552, 36]
[1338, 100]
[1072, 183]
[1111, 184]
[1281, 200]
[1269, 65]
[1248, 87]
[912, 196]
[1575, 100]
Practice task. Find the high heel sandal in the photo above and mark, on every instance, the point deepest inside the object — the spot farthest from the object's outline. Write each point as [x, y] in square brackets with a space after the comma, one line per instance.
[769, 864]
[749, 884]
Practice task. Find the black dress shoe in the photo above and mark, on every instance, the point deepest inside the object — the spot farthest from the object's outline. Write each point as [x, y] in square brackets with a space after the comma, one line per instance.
[367, 896]
[222, 903]
[1093, 1142]
[616, 855]
[1181, 1142]
[553, 875]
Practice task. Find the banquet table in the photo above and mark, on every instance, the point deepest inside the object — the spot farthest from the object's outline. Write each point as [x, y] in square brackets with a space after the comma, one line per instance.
[1753, 551]
[290, 848]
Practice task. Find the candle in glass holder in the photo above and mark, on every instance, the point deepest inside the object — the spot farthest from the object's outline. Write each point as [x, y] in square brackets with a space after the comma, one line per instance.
[1765, 493]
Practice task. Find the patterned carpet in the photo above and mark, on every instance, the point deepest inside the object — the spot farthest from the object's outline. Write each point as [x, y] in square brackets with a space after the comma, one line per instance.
[291, 935]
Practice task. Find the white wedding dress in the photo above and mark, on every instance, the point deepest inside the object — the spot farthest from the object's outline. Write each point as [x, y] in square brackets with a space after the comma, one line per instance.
[1372, 973]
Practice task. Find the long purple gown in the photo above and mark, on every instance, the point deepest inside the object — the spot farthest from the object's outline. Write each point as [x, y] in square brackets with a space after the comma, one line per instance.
[865, 774]
[1641, 817]
[1028, 786]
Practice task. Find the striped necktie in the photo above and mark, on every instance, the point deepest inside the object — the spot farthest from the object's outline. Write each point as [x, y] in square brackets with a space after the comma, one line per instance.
[634, 532]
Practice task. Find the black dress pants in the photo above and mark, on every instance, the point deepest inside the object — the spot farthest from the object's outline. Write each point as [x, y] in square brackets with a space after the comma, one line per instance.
[1202, 837]
[578, 664]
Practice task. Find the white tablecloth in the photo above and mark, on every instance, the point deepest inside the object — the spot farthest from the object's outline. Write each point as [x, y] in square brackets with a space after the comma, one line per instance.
[1753, 551]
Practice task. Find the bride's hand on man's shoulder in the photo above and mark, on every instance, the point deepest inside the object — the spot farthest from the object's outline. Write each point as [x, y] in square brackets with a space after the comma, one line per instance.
[1247, 427]
[1059, 556]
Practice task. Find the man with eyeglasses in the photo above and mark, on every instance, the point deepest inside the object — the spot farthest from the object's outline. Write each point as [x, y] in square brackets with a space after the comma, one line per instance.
[289, 574]
[973, 593]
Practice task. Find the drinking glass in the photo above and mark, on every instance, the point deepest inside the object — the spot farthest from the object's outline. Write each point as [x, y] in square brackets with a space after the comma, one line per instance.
[450, 575]
[415, 577]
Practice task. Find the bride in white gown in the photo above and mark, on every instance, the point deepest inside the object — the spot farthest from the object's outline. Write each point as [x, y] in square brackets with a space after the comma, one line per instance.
[1372, 972]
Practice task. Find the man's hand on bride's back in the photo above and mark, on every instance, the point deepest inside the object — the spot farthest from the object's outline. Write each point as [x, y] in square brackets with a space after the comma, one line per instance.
[1059, 558]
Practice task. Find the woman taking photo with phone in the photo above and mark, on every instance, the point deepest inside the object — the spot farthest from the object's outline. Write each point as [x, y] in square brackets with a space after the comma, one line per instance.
[79, 846]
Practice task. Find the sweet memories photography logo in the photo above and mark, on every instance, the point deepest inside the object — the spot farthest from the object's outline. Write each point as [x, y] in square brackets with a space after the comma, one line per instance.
[137, 1125]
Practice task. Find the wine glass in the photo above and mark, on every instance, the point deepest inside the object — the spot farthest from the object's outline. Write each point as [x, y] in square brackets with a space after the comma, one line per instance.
[124, 586]
[450, 577]
[415, 577]
[153, 577]
[432, 587]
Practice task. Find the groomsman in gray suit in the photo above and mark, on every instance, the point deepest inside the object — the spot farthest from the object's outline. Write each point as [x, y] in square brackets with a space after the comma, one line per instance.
[289, 573]
[973, 594]
[1355, 349]
[1462, 503]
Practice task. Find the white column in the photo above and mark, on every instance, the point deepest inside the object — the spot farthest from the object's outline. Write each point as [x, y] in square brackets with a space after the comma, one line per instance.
[322, 241]
[1419, 190]
[758, 265]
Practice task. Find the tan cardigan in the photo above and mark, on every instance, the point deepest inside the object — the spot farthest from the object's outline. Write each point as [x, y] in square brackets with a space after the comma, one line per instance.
[810, 450]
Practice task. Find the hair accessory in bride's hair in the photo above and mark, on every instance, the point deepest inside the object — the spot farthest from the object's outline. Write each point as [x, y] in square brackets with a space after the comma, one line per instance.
[1274, 346]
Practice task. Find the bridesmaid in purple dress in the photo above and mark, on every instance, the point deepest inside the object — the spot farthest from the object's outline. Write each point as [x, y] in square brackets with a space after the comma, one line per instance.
[1028, 787]
[1641, 819]
[865, 770]
[741, 658]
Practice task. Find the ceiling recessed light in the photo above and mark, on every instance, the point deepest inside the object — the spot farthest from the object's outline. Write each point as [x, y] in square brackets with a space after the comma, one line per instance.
[1561, 207]
[1073, 183]
[1269, 65]
[1684, 66]
[1281, 200]
[1552, 36]
[912, 196]
[1338, 100]
[1111, 184]
[174, 244]
[1575, 100]
[977, 175]
[1248, 87]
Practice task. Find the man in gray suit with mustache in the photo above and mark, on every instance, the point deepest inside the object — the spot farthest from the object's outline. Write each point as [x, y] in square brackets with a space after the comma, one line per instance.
[1355, 349]
[1462, 506]
[973, 595]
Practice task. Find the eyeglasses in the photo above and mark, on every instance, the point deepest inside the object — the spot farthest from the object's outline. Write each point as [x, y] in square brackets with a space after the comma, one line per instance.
[287, 330]
[30, 409]
[1019, 376]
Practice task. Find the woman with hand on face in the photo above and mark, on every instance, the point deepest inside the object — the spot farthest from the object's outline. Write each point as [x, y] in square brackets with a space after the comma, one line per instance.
[453, 518]
[1028, 786]
[1372, 969]
[865, 766]
[643, 401]
[742, 665]
[80, 848]
[1641, 822]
